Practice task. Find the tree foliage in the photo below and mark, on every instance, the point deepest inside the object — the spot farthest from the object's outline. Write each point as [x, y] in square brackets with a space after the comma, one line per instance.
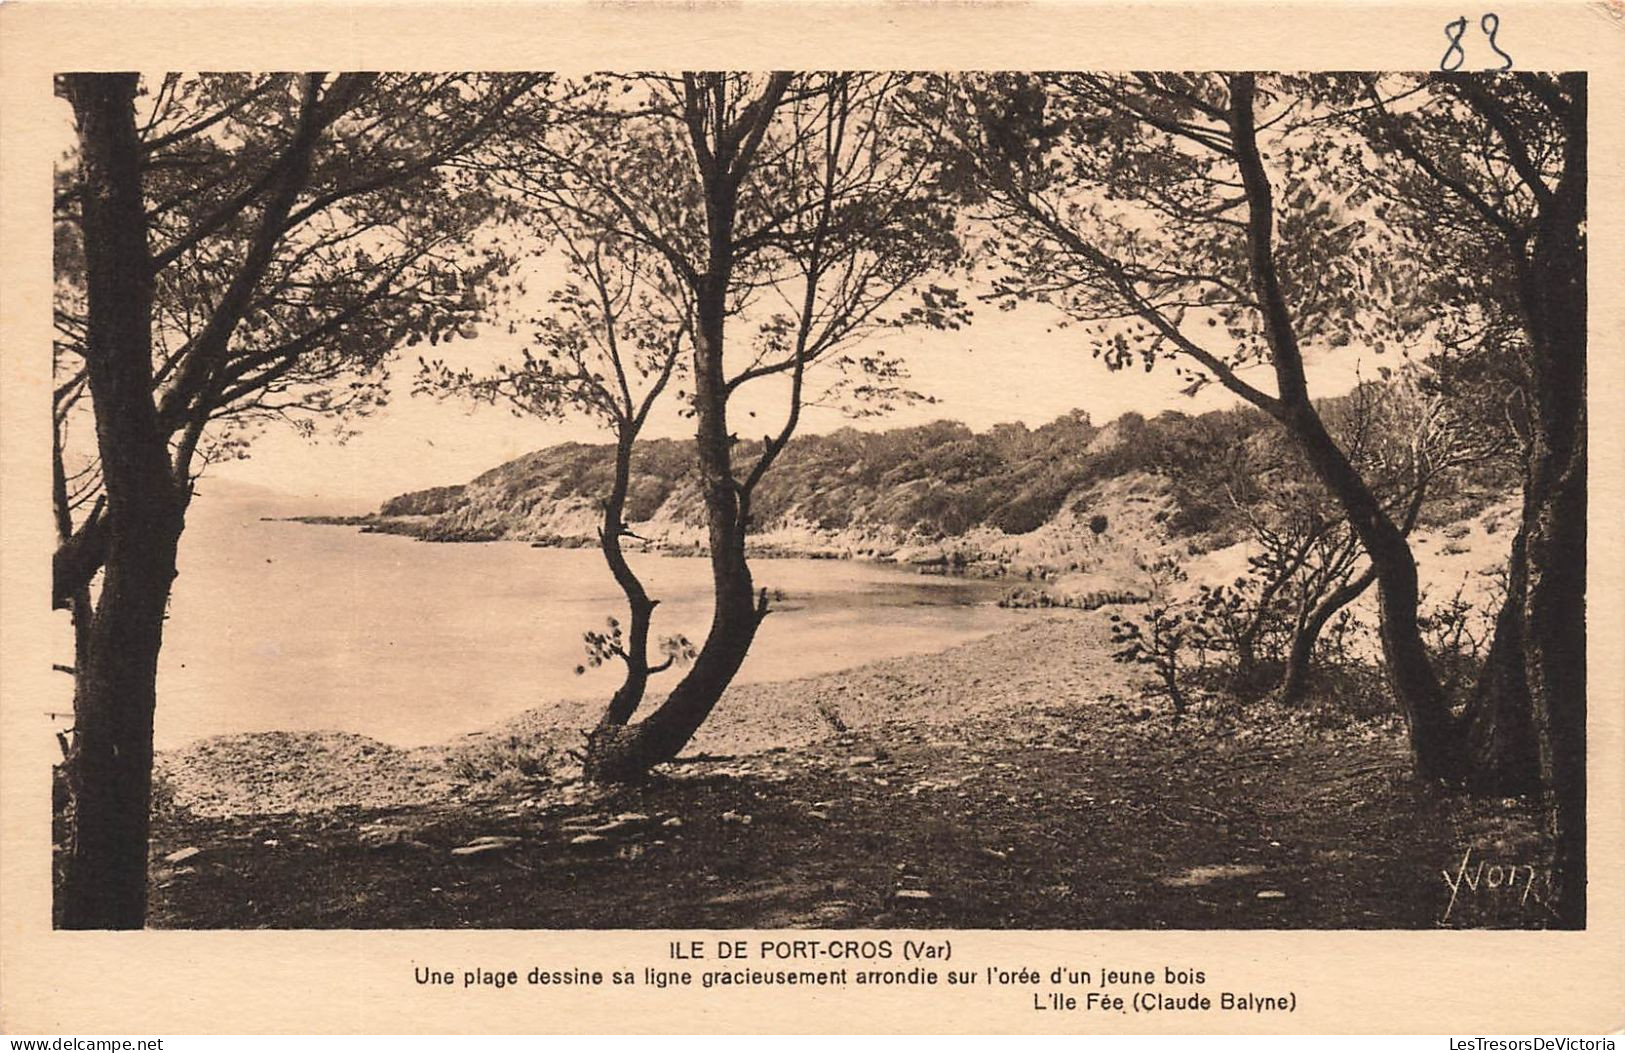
[229, 249]
[299, 228]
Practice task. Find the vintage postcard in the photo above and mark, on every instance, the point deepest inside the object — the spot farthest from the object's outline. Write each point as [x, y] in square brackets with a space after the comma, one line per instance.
[806, 517]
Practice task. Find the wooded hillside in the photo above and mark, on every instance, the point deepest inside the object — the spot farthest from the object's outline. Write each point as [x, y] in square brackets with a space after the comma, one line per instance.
[868, 491]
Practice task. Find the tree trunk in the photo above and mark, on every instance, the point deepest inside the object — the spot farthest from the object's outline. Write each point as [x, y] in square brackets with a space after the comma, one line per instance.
[110, 772]
[640, 607]
[616, 753]
[1433, 739]
[1530, 708]
[1554, 662]
[1503, 755]
[1554, 297]
[620, 754]
[114, 700]
[1295, 678]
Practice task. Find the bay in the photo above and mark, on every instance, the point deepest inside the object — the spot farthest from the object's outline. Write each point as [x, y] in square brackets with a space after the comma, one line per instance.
[283, 626]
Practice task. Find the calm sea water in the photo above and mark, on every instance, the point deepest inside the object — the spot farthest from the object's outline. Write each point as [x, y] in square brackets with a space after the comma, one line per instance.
[284, 626]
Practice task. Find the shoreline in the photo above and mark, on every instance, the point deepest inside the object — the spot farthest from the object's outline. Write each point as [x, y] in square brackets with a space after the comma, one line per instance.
[305, 771]
[430, 529]
[1035, 585]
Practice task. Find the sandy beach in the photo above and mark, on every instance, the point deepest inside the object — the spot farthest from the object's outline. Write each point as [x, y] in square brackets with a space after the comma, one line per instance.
[1057, 658]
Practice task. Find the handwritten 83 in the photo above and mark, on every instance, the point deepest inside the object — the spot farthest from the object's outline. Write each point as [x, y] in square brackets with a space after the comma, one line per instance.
[1455, 55]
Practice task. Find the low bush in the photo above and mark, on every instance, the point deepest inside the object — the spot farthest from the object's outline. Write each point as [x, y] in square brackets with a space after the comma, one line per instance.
[526, 757]
[1025, 598]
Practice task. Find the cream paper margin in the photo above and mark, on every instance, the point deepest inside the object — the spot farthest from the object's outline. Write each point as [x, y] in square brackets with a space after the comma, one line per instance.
[361, 982]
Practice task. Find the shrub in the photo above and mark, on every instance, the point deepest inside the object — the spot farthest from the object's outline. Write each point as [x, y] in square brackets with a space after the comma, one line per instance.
[1458, 633]
[1157, 639]
[1025, 513]
[1088, 601]
[1193, 515]
[504, 759]
[1161, 572]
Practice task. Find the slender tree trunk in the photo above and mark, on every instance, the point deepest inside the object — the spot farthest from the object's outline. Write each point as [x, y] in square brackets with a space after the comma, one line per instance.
[1433, 738]
[640, 607]
[110, 772]
[1295, 677]
[1313, 620]
[617, 754]
[1248, 670]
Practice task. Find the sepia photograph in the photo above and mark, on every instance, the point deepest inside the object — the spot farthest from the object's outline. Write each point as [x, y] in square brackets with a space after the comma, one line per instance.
[819, 500]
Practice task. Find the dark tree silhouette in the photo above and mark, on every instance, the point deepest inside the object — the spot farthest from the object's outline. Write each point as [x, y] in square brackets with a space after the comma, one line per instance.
[229, 247]
[1494, 168]
[798, 207]
[611, 344]
[1143, 206]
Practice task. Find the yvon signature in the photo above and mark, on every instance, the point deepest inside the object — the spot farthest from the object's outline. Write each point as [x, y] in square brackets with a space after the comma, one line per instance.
[1503, 879]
